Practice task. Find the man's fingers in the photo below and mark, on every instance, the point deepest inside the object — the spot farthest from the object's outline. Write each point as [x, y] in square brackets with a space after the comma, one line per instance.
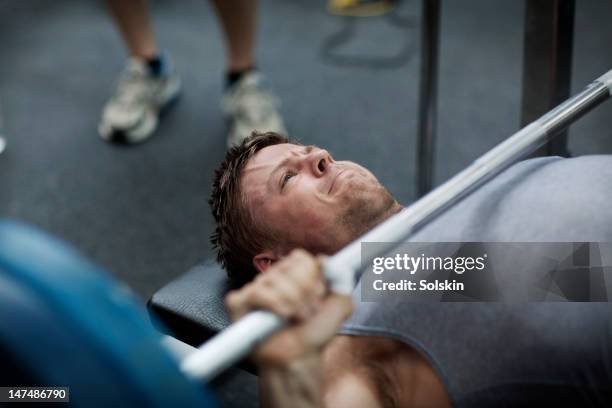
[303, 271]
[317, 331]
[290, 288]
[306, 338]
[302, 268]
[254, 297]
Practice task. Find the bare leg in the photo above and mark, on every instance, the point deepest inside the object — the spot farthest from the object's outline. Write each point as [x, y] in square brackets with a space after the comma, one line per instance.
[238, 19]
[132, 19]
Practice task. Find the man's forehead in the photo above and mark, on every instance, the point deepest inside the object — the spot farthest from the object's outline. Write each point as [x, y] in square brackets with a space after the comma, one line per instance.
[270, 156]
[257, 170]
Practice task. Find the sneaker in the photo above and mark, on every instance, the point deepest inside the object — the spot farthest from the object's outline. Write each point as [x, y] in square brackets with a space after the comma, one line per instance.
[131, 115]
[250, 107]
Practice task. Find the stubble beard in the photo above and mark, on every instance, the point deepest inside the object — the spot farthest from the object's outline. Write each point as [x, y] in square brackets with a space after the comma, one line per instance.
[364, 213]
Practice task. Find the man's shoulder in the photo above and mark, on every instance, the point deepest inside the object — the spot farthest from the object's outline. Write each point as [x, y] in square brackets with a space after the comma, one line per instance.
[517, 205]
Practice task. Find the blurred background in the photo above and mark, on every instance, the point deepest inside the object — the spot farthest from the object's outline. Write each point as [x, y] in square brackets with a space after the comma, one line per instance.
[347, 84]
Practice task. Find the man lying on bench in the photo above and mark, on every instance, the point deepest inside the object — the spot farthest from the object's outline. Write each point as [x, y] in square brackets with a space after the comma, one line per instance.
[271, 196]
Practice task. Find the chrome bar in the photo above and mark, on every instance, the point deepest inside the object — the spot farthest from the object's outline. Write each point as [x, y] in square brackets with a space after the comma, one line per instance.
[231, 345]
[178, 349]
[237, 341]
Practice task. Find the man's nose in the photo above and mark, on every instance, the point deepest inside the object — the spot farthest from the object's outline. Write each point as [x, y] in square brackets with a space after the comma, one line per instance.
[320, 161]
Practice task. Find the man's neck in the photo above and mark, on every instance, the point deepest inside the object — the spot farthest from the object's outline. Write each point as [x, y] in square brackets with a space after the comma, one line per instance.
[395, 208]
[359, 229]
[388, 213]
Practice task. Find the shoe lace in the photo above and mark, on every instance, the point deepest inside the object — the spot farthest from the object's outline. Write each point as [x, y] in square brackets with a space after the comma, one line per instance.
[251, 103]
[133, 88]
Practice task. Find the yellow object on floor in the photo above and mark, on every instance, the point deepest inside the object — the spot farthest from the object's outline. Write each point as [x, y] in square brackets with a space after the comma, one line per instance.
[360, 8]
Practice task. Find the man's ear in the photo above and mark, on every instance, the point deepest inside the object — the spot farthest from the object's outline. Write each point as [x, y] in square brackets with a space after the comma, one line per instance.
[264, 260]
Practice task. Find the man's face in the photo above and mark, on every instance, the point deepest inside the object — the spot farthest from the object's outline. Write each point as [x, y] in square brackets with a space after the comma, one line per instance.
[309, 200]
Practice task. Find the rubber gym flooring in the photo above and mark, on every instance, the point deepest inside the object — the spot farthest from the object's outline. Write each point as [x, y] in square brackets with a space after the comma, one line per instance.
[349, 85]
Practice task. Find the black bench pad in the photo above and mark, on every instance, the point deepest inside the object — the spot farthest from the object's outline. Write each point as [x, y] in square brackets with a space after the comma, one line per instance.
[191, 307]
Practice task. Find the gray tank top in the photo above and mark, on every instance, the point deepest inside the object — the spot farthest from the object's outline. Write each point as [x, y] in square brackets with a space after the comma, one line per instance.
[492, 354]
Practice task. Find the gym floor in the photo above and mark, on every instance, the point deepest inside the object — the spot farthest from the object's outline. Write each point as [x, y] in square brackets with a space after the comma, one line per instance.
[141, 212]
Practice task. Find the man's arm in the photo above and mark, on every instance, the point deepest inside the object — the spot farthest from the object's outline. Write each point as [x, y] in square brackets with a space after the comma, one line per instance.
[290, 362]
[351, 390]
[298, 384]
[303, 384]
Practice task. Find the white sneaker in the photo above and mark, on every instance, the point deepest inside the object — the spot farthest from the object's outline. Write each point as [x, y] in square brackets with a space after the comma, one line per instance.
[250, 107]
[131, 115]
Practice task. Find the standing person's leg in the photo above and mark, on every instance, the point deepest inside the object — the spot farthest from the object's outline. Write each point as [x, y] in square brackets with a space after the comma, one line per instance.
[239, 21]
[133, 21]
[147, 84]
[248, 105]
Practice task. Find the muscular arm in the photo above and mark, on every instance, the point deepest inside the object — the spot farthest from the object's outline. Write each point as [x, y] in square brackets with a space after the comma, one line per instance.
[299, 385]
[308, 365]
[303, 385]
[290, 362]
[351, 391]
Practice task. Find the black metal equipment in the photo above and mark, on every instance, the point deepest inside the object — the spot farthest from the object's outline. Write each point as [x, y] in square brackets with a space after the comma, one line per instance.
[547, 63]
[428, 101]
